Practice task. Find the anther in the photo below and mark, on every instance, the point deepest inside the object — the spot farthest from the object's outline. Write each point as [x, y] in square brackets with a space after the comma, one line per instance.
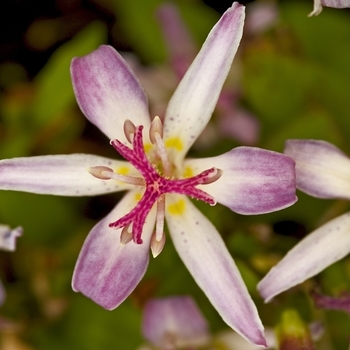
[129, 130]
[105, 173]
[125, 235]
[157, 246]
[156, 127]
[101, 172]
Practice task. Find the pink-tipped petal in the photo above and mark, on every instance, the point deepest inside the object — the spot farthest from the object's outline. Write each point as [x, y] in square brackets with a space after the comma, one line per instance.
[193, 102]
[254, 181]
[321, 248]
[164, 319]
[107, 271]
[63, 175]
[322, 169]
[205, 255]
[108, 92]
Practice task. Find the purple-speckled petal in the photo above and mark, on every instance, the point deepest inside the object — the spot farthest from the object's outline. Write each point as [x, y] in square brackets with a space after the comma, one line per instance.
[107, 271]
[329, 3]
[8, 237]
[321, 248]
[254, 180]
[108, 92]
[205, 255]
[322, 170]
[63, 175]
[164, 319]
[193, 102]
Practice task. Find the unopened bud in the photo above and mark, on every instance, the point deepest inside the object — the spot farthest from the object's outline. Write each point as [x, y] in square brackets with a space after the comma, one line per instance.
[293, 333]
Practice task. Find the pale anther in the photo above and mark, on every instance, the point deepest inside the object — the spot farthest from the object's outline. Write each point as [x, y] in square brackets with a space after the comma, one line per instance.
[129, 130]
[157, 246]
[156, 127]
[105, 173]
[126, 235]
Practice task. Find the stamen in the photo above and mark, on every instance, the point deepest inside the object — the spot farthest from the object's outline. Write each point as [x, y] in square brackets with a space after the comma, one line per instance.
[98, 170]
[156, 137]
[125, 235]
[160, 218]
[156, 127]
[129, 130]
[105, 173]
[157, 246]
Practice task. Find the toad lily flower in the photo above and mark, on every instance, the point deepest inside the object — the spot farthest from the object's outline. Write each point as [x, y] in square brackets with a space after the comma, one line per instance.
[247, 180]
[322, 171]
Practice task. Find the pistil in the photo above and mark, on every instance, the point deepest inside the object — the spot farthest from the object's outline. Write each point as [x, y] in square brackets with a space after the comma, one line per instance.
[156, 185]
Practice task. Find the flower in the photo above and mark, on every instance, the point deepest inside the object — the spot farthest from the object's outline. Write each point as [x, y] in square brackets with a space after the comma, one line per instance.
[322, 171]
[247, 180]
[164, 319]
[329, 3]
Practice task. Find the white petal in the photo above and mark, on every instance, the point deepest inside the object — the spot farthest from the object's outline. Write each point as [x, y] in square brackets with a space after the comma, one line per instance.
[321, 248]
[107, 271]
[108, 92]
[64, 175]
[204, 253]
[322, 169]
[194, 100]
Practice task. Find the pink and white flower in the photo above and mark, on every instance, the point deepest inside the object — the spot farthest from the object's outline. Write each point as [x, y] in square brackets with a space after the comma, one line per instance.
[158, 179]
[322, 171]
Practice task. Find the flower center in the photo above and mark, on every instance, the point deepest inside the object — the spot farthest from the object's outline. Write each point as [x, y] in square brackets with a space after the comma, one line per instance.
[156, 184]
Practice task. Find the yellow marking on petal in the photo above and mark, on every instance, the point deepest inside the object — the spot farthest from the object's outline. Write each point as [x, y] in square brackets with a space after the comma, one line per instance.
[147, 147]
[177, 208]
[188, 172]
[174, 142]
[123, 170]
[138, 196]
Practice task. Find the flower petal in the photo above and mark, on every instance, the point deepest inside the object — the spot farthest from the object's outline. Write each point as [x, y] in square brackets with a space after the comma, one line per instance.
[254, 180]
[108, 92]
[205, 255]
[164, 319]
[9, 237]
[329, 3]
[322, 169]
[193, 102]
[107, 271]
[64, 175]
[321, 248]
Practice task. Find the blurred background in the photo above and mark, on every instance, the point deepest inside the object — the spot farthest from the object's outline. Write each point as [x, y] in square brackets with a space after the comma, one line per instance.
[290, 79]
